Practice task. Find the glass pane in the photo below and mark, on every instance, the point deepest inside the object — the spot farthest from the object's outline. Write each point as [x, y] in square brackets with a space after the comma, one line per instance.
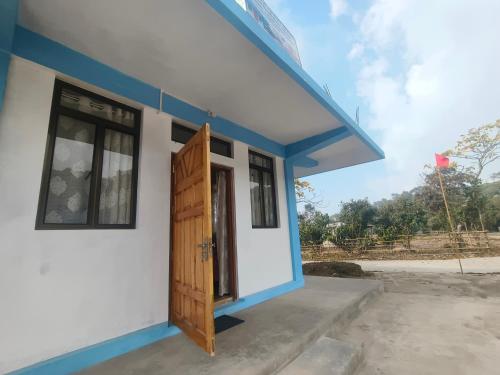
[255, 198]
[116, 184]
[267, 180]
[259, 160]
[218, 146]
[82, 103]
[69, 187]
[254, 160]
[181, 133]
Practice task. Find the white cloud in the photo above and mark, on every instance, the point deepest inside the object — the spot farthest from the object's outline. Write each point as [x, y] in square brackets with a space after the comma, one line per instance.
[434, 75]
[426, 73]
[356, 51]
[337, 8]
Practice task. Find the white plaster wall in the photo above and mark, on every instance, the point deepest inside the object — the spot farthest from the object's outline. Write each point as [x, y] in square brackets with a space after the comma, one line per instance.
[61, 290]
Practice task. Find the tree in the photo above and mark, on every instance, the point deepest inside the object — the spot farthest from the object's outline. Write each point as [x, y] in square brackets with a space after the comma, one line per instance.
[305, 193]
[357, 214]
[313, 226]
[354, 218]
[462, 188]
[491, 212]
[480, 145]
[400, 216]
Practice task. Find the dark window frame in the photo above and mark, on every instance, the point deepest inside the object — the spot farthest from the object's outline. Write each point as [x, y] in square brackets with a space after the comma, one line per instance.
[101, 125]
[213, 139]
[270, 170]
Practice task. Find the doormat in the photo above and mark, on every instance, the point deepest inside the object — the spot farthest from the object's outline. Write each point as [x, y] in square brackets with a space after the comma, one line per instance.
[225, 322]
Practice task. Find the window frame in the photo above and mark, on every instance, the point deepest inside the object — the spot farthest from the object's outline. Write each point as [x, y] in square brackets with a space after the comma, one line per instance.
[260, 170]
[101, 125]
[212, 139]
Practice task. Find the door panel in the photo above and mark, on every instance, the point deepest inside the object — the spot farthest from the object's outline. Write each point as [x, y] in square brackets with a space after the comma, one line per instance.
[192, 266]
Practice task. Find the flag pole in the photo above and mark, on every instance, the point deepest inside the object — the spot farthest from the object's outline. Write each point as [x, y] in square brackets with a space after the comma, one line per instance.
[448, 213]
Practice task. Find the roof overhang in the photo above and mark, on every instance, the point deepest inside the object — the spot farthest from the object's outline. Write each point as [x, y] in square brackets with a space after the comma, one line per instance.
[210, 56]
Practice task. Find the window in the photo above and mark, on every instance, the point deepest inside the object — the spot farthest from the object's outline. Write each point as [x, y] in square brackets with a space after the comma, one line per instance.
[183, 134]
[262, 192]
[90, 169]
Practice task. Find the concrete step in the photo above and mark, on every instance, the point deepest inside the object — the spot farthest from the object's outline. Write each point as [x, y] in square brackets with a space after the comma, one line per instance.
[274, 334]
[326, 356]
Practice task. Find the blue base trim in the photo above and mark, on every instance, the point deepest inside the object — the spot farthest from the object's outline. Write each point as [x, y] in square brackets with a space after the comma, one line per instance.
[94, 354]
[257, 298]
[91, 355]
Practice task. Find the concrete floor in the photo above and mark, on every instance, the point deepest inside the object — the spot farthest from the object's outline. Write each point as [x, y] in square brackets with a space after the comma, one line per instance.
[469, 265]
[431, 324]
[273, 334]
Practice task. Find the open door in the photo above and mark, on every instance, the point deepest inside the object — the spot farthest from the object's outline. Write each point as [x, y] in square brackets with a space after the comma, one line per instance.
[192, 290]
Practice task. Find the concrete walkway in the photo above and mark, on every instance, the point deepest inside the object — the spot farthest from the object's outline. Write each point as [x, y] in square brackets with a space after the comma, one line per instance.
[429, 323]
[273, 334]
[470, 265]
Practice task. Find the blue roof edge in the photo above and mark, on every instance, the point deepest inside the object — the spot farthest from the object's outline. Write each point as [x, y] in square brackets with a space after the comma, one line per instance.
[243, 22]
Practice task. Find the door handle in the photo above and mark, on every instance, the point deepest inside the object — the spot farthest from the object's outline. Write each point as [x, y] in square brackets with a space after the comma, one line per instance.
[206, 249]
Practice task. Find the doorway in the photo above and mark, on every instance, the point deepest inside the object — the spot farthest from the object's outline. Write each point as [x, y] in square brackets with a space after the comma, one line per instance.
[223, 244]
[225, 288]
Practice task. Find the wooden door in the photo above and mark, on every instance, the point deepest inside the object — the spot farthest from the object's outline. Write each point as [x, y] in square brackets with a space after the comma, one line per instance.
[192, 289]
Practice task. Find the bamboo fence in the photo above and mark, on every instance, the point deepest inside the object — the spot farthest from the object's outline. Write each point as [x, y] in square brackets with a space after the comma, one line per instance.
[434, 245]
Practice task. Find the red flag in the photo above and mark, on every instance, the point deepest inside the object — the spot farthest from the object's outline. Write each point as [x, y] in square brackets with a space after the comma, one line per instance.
[442, 161]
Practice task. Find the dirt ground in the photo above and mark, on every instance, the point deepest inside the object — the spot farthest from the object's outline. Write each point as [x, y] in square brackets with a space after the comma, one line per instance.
[334, 269]
[429, 323]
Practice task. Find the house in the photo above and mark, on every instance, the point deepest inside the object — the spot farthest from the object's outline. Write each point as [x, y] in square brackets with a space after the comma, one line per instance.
[148, 151]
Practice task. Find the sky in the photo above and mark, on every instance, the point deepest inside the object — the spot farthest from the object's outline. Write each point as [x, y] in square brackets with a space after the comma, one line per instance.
[421, 72]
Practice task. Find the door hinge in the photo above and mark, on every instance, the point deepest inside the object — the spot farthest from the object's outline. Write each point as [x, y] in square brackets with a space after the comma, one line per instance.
[206, 249]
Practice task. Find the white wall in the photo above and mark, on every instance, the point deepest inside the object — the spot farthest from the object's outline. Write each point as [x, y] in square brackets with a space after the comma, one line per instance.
[62, 290]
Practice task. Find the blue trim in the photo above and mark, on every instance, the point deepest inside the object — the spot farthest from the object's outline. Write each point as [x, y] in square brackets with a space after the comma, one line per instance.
[46, 52]
[220, 125]
[4, 73]
[306, 162]
[8, 18]
[89, 356]
[79, 359]
[247, 26]
[37, 48]
[255, 299]
[293, 222]
[316, 142]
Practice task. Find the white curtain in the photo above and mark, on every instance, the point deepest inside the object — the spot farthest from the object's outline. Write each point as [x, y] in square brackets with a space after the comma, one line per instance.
[116, 185]
[220, 228]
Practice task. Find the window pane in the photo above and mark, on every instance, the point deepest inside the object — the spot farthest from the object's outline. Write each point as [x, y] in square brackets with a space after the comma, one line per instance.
[255, 198]
[82, 103]
[69, 187]
[270, 219]
[116, 185]
[218, 146]
[255, 160]
[259, 161]
[181, 133]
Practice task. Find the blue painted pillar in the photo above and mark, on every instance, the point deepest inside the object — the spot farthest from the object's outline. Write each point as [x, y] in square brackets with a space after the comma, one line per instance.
[293, 222]
[8, 19]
